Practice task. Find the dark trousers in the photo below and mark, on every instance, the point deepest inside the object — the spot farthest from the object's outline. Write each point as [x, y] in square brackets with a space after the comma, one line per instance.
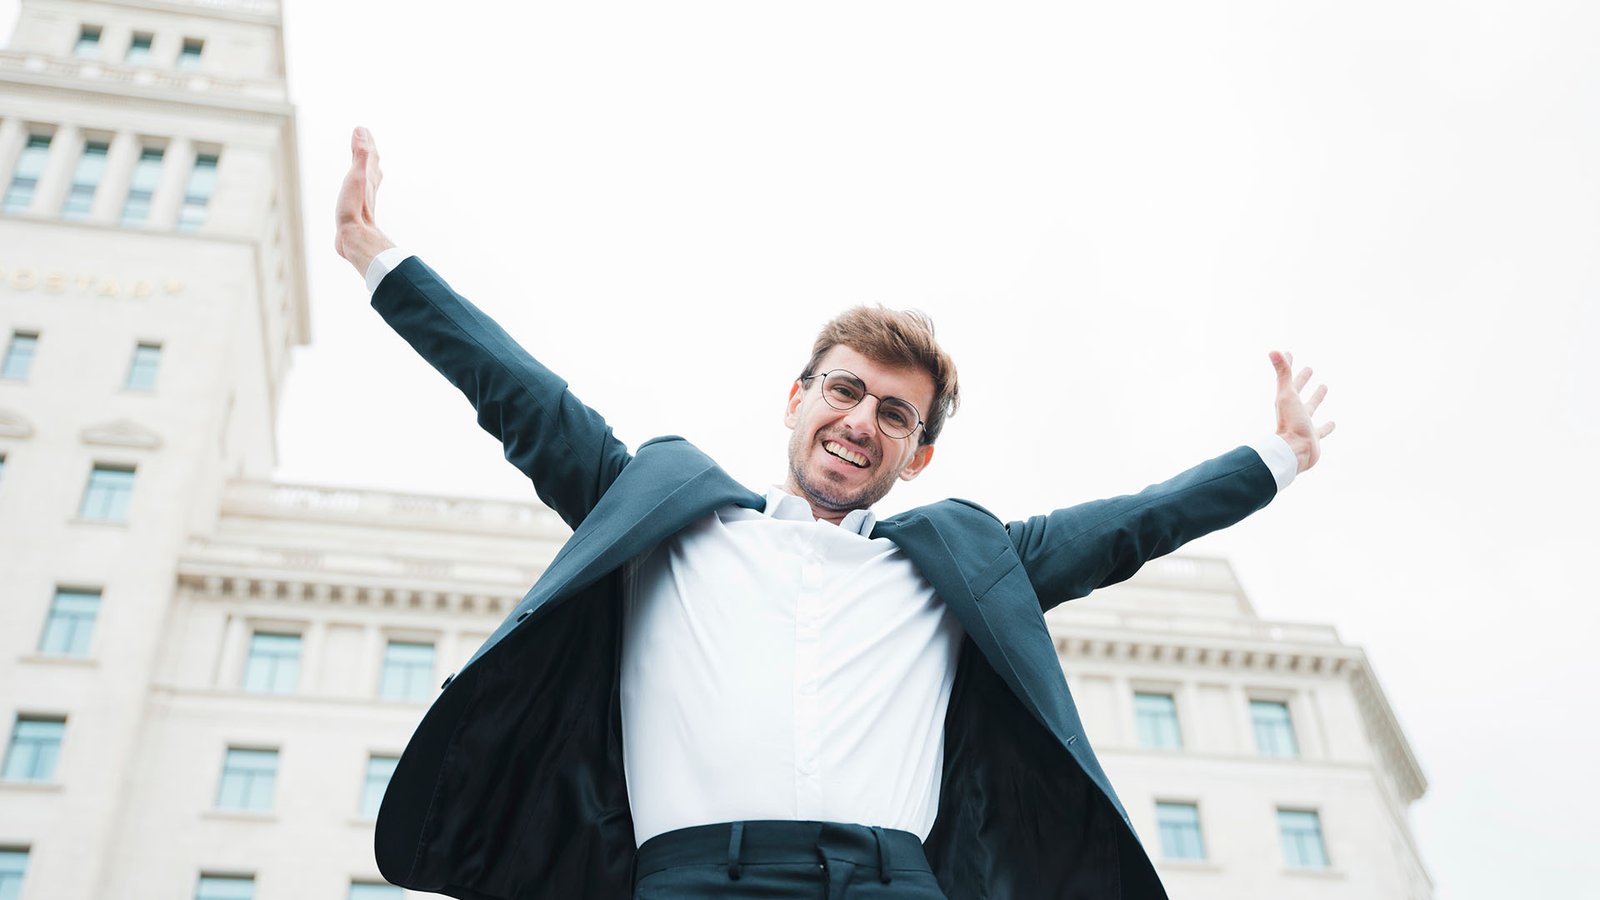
[783, 860]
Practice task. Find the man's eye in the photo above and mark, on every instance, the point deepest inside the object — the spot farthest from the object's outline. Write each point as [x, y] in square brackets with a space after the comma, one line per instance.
[897, 417]
[847, 391]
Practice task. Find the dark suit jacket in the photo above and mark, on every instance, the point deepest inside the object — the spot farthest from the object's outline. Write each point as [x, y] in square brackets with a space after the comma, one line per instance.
[513, 784]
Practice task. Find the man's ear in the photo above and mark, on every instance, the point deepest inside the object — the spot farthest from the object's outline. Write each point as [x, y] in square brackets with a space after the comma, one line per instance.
[791, 412]
[919, 461]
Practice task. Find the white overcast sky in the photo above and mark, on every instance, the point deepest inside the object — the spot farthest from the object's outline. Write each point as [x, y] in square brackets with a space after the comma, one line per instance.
[1112, 211]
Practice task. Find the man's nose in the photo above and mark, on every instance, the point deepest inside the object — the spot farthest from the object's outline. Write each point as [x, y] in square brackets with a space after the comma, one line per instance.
[863, 417]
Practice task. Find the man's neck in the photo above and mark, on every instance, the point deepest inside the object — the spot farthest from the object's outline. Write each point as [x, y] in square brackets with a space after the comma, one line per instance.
[820, 513]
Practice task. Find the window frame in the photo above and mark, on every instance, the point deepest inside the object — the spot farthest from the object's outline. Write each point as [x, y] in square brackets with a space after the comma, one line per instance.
[1288, 727]
[138, 364]
[1139, 718]
[250, 779]
[272, 681]
[20, 339]
[137, 205]
[26, 180]
[419, 694]
[120, 498]
[1162, 826]
[72, 641]
[195, 209]
[78, 204]
[54, 766]
[1284, 839]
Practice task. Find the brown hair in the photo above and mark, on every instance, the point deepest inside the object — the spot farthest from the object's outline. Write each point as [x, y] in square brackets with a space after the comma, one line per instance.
[899, 338]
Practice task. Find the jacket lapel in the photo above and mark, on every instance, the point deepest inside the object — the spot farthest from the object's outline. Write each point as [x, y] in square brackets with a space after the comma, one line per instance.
[987, 589]
[669, 484]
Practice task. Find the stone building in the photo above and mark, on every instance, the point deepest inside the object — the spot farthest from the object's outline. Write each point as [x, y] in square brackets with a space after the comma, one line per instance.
[206, 675]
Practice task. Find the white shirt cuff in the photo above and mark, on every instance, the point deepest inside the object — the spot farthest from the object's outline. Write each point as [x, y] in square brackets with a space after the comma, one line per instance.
[382, 264]
[1279, 458]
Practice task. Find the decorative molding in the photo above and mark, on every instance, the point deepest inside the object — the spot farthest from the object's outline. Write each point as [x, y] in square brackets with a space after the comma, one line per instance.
[241, 588]
[14, 425]
[122, 433]
[1334, 661]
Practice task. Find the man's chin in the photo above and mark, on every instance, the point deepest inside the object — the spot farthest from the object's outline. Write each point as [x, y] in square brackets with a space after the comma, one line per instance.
[837, 499]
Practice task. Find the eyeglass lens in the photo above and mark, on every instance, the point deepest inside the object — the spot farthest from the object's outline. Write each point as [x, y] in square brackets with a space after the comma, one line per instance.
[843, 390]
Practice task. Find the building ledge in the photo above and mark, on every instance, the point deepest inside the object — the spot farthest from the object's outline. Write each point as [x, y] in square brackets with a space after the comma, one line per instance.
[31, 787]
[240, 815]
[1329, 874]
[44, 659]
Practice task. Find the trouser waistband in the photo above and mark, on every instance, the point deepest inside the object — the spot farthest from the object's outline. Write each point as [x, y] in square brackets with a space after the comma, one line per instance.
[884, 850]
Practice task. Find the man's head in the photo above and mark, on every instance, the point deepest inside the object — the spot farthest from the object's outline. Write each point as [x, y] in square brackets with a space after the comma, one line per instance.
[844, 459]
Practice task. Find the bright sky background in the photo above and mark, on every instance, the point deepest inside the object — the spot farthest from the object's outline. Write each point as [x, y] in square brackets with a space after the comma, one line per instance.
[1112, 211]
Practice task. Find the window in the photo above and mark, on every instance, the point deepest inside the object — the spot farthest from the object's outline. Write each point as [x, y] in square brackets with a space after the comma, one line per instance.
[1301, 832]
[369, 890]
[88, 46]
[35, 745]
[19, 355]
[1180, 831]
[142, 370]
[13, 864]
[30, 165]
[139, 49]
[249, 778]
[85, 180]
[274, 663]
[109, 492]
[146, 176]
[222, 887]
[1156, 716]
[70, 627]
[1274, 731]
[189, 56]
[407, 671]
[379, 770]
[202, 181]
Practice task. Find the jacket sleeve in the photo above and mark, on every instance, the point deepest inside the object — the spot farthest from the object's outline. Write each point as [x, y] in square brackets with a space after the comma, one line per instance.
[564, 447]
[1073, 551]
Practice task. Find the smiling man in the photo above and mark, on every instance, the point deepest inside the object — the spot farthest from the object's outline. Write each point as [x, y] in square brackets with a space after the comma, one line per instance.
[714, 693]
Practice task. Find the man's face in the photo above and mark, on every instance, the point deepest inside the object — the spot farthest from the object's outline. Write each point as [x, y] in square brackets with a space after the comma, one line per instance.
[839, 459]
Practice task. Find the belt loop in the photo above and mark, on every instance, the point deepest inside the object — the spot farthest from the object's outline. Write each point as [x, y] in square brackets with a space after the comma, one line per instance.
[883, 855]
[735, 849]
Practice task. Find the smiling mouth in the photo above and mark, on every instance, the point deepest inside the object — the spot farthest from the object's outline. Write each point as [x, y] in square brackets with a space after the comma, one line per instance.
[845, 453]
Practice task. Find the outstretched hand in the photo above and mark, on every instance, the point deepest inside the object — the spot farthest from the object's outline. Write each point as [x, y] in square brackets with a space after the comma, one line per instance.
[356, 234]
[1295, 424]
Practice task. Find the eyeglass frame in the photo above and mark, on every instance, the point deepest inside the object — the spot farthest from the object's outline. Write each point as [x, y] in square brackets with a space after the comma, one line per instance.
[877, 414]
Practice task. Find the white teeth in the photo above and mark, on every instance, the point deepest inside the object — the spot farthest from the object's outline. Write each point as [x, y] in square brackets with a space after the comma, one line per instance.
[848, 455]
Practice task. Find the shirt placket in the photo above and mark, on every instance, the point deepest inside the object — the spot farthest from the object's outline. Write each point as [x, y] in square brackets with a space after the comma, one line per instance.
[807, 676]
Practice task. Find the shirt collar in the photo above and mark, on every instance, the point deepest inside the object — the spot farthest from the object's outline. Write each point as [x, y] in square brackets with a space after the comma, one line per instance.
[783, 505]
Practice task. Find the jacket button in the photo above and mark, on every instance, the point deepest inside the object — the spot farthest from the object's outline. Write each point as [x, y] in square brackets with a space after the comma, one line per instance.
[524, 614]
[447, 679]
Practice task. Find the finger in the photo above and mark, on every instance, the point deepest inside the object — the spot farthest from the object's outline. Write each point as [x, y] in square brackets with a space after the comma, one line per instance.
[1302, 379]
[1316, 399]
[1281, 367]
[1325, 430]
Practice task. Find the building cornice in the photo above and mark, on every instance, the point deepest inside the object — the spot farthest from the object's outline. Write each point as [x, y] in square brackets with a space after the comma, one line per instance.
[95, 79]
[390, 509]
[122, 433]
[377, 594]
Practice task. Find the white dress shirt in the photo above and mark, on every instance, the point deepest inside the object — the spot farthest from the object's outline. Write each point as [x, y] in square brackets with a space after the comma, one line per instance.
[778, 667]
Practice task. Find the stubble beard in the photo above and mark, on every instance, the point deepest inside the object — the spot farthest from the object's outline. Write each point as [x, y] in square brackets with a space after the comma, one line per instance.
[827, 496]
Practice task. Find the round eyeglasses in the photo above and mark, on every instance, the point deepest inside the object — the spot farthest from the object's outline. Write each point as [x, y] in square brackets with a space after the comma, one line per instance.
[843, 390]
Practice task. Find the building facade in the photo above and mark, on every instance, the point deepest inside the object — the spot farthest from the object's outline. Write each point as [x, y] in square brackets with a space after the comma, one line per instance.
[206, 675]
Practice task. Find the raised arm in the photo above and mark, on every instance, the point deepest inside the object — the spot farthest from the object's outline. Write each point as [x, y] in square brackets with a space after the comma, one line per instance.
[563, 446]
[1073, 551]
